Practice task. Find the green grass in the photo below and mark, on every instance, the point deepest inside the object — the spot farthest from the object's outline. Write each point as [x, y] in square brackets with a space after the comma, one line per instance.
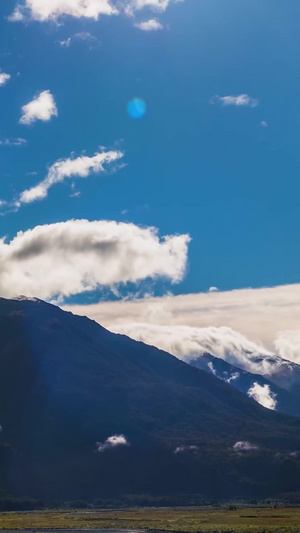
[244, 520]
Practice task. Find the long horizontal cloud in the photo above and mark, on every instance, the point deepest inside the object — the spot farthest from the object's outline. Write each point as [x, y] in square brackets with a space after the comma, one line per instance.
[261, 316]
[186, 342]
[19, 141]
[75, 256]
[81, 167]
[240, 100]
[43, 10]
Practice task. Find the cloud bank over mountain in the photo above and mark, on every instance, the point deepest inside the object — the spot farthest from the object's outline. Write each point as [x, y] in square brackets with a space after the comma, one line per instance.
[186, 342]
[242, 322]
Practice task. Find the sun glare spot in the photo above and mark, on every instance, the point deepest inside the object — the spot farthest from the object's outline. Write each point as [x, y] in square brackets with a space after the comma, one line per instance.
[136, 108]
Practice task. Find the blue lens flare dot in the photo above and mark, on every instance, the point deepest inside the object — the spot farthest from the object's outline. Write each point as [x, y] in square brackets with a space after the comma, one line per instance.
[136, 108]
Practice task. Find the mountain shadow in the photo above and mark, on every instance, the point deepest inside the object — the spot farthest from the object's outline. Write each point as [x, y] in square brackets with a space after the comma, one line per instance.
[88, 414]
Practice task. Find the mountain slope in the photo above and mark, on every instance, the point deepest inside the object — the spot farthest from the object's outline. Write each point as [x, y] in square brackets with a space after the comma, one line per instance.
[67, 385]
[244, 381]
[284, 373]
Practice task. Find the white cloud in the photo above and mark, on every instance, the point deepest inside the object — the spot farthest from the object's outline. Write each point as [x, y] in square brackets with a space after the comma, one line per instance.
[53, 10]
[264, 124]
[149, 25]
[263, 395]
[288, 345]
[62, 169]
[213, 289]
[241, 100]
[19, 141]
[112, 442]
[4, 78]
[42, 107]
[155, 5]
[244, 446]
[79, 256]
[45, 10]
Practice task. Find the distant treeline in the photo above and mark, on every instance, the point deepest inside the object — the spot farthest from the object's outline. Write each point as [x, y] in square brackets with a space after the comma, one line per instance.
[29, 504]
[20, 504]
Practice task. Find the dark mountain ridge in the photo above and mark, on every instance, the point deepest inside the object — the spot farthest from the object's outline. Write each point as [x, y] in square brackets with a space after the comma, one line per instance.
[67, 384]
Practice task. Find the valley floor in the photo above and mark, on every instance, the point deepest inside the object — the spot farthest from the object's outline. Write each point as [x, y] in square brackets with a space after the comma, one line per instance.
[206, 520]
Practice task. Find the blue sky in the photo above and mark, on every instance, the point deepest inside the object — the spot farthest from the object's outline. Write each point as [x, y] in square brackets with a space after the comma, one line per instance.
[227, 175]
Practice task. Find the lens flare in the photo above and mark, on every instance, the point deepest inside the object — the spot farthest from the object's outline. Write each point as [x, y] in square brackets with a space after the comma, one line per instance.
[136, 108]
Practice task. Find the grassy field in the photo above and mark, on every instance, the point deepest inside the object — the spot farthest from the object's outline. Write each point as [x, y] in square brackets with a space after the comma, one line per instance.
[252, 520]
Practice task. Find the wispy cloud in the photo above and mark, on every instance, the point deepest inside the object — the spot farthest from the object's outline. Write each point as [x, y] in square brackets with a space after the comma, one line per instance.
[263, 395]
[79, 255]
[65, 42]
[186, 448]
[233, 377]
[211, 368]
[114, 441]
[88, 38]
[42, 107]
[19, 141]
[4, 78]
[80, 167]
[149, 25]
[83, 36]
[241, 100]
